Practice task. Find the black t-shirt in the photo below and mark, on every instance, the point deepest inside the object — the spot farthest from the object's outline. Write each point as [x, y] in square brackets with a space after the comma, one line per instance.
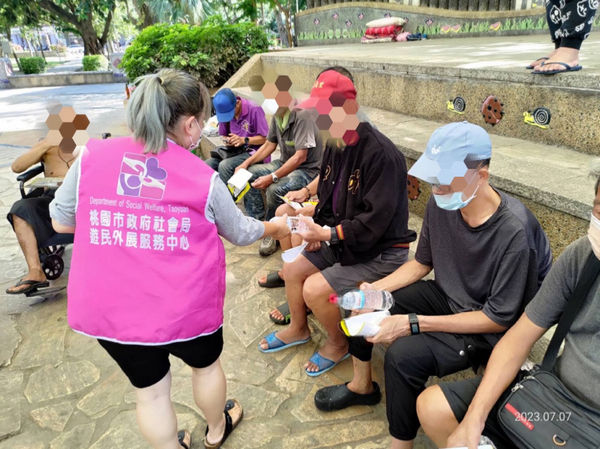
[493, 267]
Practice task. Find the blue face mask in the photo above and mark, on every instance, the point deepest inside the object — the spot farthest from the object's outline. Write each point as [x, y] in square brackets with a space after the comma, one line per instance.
[453, 201]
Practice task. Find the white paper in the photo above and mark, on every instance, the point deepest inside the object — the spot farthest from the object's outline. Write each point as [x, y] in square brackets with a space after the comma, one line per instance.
[239, 180]
[295, 205]
[292, 254]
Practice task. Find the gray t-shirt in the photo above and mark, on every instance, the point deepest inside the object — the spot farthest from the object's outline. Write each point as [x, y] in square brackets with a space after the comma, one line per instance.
[485, 268]
[231, 223]
[300, 132]
[579, 365]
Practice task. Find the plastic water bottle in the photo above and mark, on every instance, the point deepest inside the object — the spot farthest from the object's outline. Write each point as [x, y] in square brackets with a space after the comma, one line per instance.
[364, 299]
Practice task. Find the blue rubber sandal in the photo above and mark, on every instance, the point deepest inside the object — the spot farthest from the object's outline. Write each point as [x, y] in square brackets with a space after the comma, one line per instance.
[275, 344]
[323, 363]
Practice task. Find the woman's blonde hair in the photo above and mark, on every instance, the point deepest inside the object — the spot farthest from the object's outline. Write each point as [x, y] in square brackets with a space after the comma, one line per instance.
[157, 103]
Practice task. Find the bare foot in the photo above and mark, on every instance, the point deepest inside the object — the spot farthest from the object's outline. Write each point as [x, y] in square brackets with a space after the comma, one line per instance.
[569, 56]
[263, 279]
[277, 315]
[288, 335]
[330, 352]
[539, 61]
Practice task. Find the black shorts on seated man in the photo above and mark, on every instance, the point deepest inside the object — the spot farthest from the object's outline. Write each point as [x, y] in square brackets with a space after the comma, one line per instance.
[489, 254]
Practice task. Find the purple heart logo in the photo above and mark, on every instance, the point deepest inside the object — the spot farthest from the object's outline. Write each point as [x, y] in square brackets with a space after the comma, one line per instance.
[153, 171]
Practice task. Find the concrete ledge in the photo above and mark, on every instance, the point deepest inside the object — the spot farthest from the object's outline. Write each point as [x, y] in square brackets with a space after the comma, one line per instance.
[416, 80]
[64, 79]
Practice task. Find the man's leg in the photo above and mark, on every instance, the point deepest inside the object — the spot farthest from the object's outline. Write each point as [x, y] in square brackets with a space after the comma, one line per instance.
[316, 293]
[293, 181]
[253, 200]
[29, 246]
[441, 407]
[435, 415]
[295, 275]
[227, 166]
[340, 279]
[409, 362]
[213, 163]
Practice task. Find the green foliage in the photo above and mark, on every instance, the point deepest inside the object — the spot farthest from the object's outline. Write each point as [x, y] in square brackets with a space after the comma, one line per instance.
[211, 52]
[33, 64]
[94, 63]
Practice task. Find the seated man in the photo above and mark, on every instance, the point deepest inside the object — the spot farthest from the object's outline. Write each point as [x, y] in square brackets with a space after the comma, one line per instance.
[301, 150]
[243, 126]
[30, 217]
[489, 254]
[472, 402]
[363, 199]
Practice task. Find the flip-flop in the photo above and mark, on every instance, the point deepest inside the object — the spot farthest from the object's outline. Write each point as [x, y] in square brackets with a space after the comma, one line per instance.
[543, 58]
[567, 68]
[229, 424]
[323, 363]
[284, 309]
[275, 344]
[273, 281]
[32, 286]
[185, 439]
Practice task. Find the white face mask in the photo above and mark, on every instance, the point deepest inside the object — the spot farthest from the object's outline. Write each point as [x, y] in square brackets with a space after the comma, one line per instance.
[192, 144]
[594, 235]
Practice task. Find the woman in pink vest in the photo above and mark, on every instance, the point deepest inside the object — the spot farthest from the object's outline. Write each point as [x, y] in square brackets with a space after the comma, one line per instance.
[147, 275]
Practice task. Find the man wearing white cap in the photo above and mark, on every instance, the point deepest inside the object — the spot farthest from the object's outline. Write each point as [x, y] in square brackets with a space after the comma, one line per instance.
[489, 254]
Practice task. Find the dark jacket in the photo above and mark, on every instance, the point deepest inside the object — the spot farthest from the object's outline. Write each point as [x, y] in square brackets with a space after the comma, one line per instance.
[372, 201]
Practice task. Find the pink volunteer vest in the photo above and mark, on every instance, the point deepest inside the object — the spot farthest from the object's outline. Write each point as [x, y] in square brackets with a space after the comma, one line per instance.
[147, 267]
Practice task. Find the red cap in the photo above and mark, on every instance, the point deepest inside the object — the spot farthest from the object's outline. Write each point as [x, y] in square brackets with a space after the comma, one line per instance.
[333, 298]
[328, 84]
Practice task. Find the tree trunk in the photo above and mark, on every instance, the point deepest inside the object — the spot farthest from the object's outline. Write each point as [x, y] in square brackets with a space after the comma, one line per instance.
[288, 27]
[91, 43]
[147, 18]
[282, 31]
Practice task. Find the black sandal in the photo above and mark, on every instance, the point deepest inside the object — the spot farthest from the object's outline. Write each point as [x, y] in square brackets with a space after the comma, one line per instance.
[284, 309]
[229, 424]
[185, 439]
[273, 281]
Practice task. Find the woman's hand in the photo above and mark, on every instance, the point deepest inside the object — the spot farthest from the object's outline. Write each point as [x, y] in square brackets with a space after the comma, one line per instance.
[281, 228]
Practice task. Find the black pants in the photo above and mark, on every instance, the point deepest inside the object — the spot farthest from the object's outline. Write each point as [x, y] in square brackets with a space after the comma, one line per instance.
[410, 361]
[570, 21]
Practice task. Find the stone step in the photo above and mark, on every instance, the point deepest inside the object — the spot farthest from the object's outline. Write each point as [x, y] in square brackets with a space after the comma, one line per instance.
[419, 78]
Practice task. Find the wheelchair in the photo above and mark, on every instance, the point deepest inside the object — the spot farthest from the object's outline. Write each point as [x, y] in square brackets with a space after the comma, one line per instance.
[50, 251]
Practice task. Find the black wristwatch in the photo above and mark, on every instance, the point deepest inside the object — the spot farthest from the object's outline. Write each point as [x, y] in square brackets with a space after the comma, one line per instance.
[414, 323]
[334, 237]
[246, 140]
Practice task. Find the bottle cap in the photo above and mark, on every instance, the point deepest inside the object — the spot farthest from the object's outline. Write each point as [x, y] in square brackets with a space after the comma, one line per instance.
[333, 298]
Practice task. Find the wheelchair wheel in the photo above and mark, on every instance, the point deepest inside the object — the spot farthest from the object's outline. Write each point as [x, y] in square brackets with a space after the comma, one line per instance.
[53, 267]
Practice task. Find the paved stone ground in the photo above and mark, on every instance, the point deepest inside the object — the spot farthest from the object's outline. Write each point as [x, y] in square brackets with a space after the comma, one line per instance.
[59, 389]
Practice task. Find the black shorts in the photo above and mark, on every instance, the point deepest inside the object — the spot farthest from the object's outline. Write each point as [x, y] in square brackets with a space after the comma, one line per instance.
[35, 211]
[459, 395]
[146, 365]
